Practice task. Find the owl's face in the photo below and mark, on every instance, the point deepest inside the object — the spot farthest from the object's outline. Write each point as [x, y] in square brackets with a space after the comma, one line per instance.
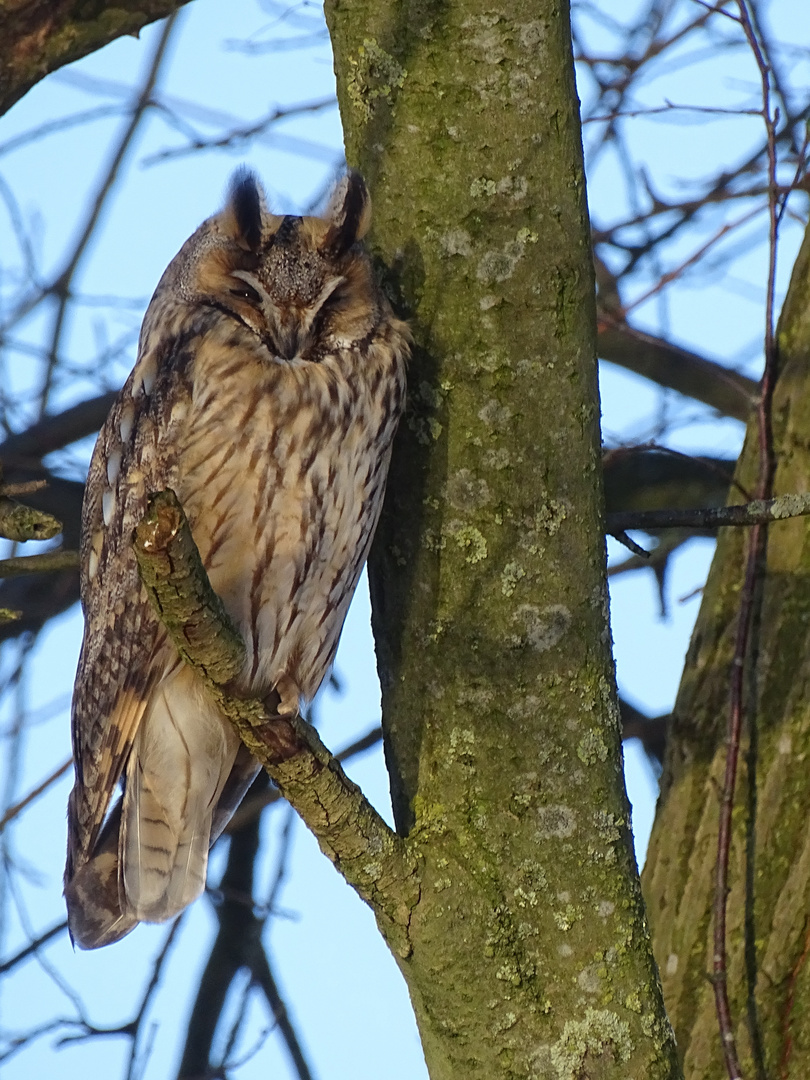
[300, 284]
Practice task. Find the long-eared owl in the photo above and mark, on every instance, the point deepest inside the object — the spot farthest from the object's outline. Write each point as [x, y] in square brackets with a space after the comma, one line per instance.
[269, 383]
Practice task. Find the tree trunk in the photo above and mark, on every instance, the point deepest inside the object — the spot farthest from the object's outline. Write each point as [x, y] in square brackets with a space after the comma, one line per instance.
[529, 951]
[769, 899]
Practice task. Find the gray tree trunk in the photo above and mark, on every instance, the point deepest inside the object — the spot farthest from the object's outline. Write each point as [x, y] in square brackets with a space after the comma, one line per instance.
[529, 949]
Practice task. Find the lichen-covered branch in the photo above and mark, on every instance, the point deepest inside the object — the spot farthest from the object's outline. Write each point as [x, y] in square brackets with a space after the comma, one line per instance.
[372, 858]
[20, 522]
[755, 512]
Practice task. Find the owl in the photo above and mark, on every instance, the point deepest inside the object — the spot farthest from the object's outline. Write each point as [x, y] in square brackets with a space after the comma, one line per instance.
[269, 383]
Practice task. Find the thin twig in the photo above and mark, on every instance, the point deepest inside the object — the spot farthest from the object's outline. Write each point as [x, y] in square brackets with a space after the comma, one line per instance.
[756, 512]
[50, 562]
[264, 978]
[240, 135]
[61, 286]
[695, 257]
[32, 947]
[754, 566]
[627, 541]
[17, 808]
[134, 1027]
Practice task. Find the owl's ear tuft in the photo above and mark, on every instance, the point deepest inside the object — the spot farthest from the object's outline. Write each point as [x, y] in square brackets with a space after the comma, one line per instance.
[243, 211]
[348, 214]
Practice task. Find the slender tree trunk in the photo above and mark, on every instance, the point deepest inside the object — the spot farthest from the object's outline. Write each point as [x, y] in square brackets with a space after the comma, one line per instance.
[529, 954]
[769, 899]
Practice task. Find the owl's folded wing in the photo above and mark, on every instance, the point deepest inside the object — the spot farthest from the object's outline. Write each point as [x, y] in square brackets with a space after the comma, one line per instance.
[121, 656]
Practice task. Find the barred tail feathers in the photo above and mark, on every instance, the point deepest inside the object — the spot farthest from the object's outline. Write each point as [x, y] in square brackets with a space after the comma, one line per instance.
[182, 757]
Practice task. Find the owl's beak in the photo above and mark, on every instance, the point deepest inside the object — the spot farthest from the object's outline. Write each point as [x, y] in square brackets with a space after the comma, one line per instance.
[290, 333]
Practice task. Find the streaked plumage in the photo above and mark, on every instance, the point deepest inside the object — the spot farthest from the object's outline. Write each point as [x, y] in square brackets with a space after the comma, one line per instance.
[269, 382]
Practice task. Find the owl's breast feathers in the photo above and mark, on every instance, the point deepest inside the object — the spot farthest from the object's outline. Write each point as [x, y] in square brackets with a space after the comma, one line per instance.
[282, 478]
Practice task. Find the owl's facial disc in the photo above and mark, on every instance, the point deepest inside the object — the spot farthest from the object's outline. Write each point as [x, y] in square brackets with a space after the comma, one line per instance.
[285, 324]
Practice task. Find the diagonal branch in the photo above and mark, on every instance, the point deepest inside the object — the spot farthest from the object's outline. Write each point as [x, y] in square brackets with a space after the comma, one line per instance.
[49, 562]
[62, 286]
[675, 368]
[374, 860]
[41, 35]
[57, 430]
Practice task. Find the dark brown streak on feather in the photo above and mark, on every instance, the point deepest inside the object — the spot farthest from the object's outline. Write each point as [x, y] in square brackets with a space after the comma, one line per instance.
[262, 492]
[308, 459]
[252, 405]
[223, 374]
[216, 448]
[255, 458]
[255, 607]
[219, 534]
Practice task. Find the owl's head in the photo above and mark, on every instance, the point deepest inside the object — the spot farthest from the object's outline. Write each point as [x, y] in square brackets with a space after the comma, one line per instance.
[301, 284]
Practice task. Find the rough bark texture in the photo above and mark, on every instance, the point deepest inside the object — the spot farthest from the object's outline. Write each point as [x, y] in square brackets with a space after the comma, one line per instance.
[530, 954]
[39, 36]
[769, 900]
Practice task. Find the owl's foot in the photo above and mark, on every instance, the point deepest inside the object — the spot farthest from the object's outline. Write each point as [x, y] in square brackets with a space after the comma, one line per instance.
[289, 696]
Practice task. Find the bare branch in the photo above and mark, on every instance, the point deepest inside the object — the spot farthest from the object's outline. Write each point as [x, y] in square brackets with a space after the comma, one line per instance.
[40, 36]
[32, 796]
[756, 512]
[676, 368]
[58, 430]
[61, 286]
[49, 562]
[32, 947]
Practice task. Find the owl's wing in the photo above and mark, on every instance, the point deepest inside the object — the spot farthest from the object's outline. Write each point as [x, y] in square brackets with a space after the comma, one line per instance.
[124, 647]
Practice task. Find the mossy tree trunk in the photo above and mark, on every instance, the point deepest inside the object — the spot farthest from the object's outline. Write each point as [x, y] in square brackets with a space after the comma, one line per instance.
[769, 900]
[529, 953]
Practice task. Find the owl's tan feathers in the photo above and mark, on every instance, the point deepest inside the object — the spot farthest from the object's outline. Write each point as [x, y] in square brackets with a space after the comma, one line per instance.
[269, 382]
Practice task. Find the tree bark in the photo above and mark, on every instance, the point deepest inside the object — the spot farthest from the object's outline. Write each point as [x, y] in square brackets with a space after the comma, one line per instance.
[529, 950]
[39, 36]
[769, 899]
